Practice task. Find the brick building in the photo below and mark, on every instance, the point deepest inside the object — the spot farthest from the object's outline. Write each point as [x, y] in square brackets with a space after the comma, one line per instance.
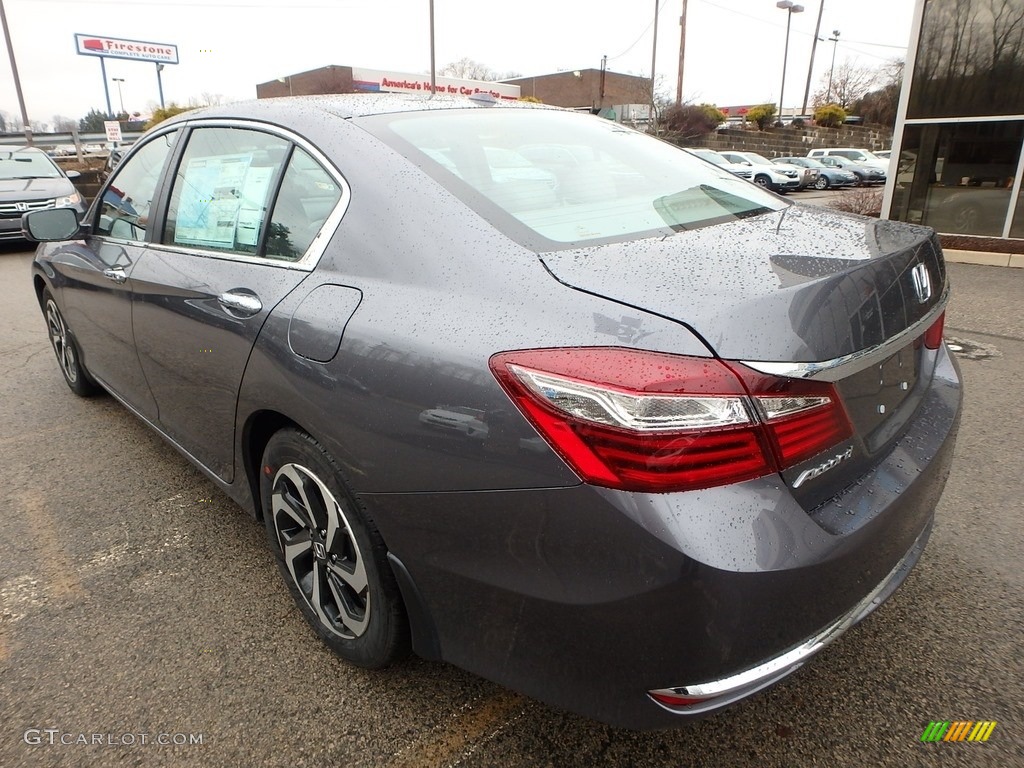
[585, 89]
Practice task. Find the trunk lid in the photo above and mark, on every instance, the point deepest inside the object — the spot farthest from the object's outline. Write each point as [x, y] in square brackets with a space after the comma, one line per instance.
[800, 285]
[795, 285]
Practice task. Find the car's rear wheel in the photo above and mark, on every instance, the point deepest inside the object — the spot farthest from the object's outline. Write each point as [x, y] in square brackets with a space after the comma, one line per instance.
[821, 182]
[333, 558]
[69, 358]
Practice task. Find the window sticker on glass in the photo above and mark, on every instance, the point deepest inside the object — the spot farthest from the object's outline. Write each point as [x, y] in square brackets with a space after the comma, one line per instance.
[212, 199]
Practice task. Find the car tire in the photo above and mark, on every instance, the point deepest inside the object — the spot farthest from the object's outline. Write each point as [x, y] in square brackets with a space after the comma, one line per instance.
[860, 180]
[763, 181]
[330, 552]
[69, 356]
[821, 183]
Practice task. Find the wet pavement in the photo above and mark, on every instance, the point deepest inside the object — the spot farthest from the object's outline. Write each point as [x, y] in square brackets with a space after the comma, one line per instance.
[143, 622]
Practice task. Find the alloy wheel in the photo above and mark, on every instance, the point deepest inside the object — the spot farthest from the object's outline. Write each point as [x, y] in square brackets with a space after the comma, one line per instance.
[821, 182]
[320, 551]
[62, 345]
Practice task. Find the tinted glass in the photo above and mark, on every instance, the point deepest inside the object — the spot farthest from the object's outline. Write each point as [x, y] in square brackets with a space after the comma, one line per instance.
[970, 59]
[563, 178]
[307, 197]
[222, 189]
[125, 205]
[26, 164]
[957, 178]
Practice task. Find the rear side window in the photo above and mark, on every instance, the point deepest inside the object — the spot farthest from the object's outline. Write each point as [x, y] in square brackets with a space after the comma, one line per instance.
[222, 189]
[554, 179]
[308, 196]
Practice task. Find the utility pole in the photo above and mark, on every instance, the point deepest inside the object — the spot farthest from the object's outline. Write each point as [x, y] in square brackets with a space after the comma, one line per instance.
[654, 58]
[834, 40]
[810, 67]
[682, 55]
[17, 80]
[433, 72]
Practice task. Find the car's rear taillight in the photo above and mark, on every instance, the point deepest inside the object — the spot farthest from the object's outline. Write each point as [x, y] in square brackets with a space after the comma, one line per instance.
[647, 421]
[933, 336]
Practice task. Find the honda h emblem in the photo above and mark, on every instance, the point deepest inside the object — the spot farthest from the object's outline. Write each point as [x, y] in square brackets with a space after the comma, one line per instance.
[21, 207]
[922, 283]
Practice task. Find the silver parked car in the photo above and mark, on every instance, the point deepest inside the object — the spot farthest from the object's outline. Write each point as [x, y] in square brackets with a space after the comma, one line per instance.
[521, 389]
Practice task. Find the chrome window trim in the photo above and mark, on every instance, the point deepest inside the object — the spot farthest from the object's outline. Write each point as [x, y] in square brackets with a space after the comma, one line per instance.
[847, 365]
[309, 260]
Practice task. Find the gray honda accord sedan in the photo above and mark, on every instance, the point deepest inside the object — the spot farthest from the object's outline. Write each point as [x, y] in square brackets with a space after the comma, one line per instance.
[522, 389]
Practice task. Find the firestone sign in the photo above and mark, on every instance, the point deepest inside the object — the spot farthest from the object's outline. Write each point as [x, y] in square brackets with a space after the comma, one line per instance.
[401, 82]
[116, 48]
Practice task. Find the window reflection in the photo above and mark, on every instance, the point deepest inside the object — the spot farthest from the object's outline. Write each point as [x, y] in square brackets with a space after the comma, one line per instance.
[970, 59]
[958, 178]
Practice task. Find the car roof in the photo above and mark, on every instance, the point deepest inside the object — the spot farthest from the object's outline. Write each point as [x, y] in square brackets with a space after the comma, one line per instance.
[352, 105]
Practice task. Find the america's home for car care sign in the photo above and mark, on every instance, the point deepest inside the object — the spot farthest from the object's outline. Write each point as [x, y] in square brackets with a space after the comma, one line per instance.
[116, 48]
[404, 82]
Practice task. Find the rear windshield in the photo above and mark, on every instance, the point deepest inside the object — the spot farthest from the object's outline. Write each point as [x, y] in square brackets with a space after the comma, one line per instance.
[553, 179]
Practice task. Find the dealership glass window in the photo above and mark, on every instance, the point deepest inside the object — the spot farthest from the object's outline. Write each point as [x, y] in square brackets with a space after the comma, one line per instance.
[124, 208]
[970, 60]
[222, 189]
[308, 196]
[958, 177]
[1017, 227]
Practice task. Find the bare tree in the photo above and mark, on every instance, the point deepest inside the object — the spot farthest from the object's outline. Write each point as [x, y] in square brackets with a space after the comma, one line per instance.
[63, 124]
[469, 69]
[878, 107]
[849, 83]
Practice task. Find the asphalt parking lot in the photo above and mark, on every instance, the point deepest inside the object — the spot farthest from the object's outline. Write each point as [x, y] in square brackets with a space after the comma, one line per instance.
[138, 603]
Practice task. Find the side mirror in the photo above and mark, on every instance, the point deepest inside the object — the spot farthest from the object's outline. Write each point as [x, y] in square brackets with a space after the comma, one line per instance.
[72, 174]
[50, 225]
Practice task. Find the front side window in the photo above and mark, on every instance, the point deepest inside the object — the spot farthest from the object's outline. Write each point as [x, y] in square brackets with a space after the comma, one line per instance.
[222, 189]
[125, 205]
[553, 179]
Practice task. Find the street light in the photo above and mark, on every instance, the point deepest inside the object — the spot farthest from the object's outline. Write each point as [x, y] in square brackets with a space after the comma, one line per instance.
[120, 95]
[790, 9]
[834, 40]
[160, 84]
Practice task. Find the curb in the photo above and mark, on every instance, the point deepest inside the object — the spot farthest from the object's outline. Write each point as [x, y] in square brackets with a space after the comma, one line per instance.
[984, 257]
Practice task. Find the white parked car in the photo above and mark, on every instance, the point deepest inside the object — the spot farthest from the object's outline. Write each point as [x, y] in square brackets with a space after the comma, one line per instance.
[766, 173]
[808, 175]
[743, 171]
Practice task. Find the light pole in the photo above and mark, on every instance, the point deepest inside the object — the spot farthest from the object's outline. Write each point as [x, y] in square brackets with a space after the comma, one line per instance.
[160, 83]
[120, 95]
[834, 40]
[790, 9]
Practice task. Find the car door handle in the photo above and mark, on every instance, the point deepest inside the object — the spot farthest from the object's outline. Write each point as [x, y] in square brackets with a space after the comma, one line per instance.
[116, 274]
[245, 304]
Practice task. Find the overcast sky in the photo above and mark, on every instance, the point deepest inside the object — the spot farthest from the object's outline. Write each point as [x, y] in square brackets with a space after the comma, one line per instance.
[733, 53]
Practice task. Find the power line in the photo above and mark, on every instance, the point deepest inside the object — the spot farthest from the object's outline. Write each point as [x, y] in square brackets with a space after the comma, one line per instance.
[642, 35]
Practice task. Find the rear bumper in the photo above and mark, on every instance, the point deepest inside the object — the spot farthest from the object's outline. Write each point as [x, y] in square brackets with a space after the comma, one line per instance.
[716, 694]
[588, 598]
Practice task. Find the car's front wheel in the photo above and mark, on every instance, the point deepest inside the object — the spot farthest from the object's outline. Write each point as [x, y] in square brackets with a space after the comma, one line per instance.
[821, 182]
[69, 358]
[333, 558]
[763, 181]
